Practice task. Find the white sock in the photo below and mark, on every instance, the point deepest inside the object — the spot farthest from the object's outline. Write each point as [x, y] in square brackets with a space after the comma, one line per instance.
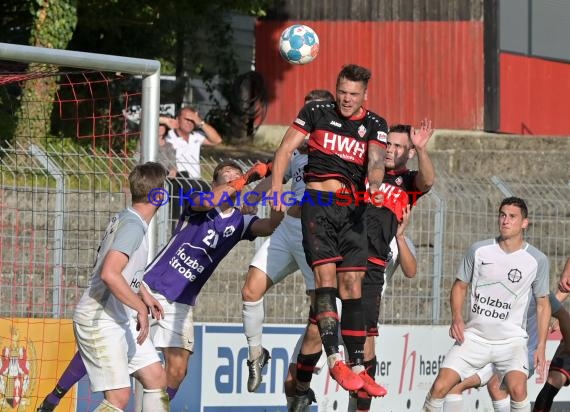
[107, 406]
[523, 406]
[138, 396]
[503, 405]
[155, 400]
[253, 315]
[432, 404]
[331, 360]
[453, 403]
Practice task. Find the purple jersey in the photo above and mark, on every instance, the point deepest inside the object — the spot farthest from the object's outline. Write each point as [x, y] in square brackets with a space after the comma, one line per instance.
[188, 260]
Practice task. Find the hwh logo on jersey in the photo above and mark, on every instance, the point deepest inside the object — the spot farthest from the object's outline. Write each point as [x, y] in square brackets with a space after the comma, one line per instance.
[390, 191]
[184, 264]
[344, 146]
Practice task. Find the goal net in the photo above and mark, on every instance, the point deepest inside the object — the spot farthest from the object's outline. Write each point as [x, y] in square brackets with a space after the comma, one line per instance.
[67, 145]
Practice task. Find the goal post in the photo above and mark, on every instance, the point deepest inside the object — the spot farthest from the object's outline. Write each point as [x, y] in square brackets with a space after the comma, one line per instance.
[149, 69]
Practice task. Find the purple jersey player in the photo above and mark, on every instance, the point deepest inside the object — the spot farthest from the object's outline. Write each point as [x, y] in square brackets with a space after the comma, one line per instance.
[204, 235]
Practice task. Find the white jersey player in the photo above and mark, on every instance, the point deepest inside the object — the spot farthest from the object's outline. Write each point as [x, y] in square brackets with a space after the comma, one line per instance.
[502, 273]
[109, 347]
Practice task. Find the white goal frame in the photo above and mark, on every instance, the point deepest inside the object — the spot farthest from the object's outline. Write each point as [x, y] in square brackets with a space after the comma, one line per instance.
[150, 71]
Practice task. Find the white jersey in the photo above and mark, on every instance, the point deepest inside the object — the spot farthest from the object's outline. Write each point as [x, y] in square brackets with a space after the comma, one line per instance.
[395, 260]
[125, 233]
[295, 171]
[187, 152]
[501, 284]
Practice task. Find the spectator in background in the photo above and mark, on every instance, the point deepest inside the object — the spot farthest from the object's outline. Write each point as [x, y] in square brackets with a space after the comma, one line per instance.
[187, 136]
[166, 152]
[190, 133]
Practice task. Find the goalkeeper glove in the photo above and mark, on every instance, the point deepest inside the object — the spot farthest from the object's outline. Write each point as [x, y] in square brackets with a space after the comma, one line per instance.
[258, 171]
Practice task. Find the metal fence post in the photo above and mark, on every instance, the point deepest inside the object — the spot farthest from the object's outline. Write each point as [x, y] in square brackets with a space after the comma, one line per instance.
[438, 239]
[57, 174]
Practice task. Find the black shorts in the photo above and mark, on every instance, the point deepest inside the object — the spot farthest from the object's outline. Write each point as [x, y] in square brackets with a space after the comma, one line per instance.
[381, 229]
[561, 363]
[333, 232]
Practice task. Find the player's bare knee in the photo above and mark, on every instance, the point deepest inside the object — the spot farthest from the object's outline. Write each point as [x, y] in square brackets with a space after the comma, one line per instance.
[445, 381]
[518, 392]
[118, 397]
[256, 284]
[349, 286]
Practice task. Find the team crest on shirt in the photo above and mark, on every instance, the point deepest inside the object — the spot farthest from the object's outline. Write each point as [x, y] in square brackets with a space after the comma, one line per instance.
[399, 180]
[228, 231]
[514, 275]
[361, 130]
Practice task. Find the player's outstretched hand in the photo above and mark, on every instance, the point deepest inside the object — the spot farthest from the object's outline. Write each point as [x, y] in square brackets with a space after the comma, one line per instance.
[142, 326]
[406, 213]
[539, 359]
[456, 330]
[258, 171]
[421, 136]
[153, 305]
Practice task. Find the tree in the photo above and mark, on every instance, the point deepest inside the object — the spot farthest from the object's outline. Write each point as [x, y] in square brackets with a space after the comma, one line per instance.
[189, 37]
[53, 24]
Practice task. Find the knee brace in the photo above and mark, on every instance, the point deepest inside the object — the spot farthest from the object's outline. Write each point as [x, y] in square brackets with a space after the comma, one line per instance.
[327, 318]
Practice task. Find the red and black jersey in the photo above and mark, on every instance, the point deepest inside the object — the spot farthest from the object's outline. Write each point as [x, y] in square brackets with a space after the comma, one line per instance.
[399, 190]
[338, 146]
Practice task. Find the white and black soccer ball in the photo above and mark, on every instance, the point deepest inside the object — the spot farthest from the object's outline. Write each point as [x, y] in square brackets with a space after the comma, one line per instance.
[299, 44]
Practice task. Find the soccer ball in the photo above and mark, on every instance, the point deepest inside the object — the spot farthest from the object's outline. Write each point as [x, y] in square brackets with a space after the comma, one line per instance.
[299, 44]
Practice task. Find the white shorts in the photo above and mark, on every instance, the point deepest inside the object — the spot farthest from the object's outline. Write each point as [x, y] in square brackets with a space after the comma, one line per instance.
[469, 357]
[488, 370]
[111, 354]
[282, 253]
[176, 330]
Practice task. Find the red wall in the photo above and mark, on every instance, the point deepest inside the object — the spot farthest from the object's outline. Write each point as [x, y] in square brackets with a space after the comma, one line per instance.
[418, 69]
[534, 96]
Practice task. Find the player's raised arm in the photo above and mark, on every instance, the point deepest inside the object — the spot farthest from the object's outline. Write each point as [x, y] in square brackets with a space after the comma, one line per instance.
[426, 172]
[226, 186]
[376, 156]
[407, 260]
[266, 226]
[291, 141]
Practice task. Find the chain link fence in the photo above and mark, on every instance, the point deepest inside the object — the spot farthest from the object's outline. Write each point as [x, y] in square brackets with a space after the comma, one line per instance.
[54, 208]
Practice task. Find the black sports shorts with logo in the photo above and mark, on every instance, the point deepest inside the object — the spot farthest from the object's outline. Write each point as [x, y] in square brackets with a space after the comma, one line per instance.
[561, 363]
[382, 226]
[333, 232]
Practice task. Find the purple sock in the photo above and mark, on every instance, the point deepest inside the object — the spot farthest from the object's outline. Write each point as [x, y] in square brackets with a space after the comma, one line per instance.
[74, 372]
[171, 392]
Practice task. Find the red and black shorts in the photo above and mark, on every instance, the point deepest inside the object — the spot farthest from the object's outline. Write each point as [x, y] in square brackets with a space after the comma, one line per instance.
[382, 226]
[561, 363]
[333, 232]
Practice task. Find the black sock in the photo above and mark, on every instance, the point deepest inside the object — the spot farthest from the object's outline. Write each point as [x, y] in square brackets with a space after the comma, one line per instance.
[545, 398]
